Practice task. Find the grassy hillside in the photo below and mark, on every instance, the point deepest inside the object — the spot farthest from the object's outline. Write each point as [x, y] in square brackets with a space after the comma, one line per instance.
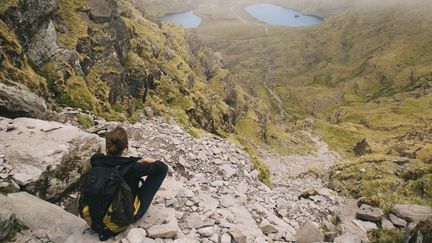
[364, 73]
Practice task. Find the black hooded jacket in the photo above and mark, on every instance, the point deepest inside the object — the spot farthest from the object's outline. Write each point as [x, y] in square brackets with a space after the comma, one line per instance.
[135, 169]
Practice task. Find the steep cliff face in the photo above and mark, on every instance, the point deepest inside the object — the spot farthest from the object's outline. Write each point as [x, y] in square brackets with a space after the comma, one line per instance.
[105, 56]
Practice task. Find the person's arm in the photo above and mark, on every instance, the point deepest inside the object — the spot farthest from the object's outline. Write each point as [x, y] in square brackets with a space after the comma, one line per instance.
[147, 168]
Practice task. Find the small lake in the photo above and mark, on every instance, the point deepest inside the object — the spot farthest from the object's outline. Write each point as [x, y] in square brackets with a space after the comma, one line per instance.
[186, 19]
[277, 15]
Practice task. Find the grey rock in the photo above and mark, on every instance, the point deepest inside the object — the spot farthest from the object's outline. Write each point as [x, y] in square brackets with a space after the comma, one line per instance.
[387, 224]
[369, 213]
[397, 221]
[50, 158]
[136, 235]
[226, 238]
[186, 193]
[207, 202]
[348, 237]
[162, 222]
[412, 212]
[228, 171]
[100, 11]
[28, 16]
[217, 183]
[43, 47]
[238, 235]
[267, 227]
[206, 231]
[195, 220]
[365, 225]
[148, 240]
[309, 232]
[44, 218]
[22, 178]
[16, 100]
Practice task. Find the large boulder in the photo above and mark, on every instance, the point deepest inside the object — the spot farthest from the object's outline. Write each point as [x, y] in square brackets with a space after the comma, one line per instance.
[100, 11]
[160, 222]
[17, 100]
[412, 212]
[369, 213]
[309, 232]
[47, 157]
[41, 217]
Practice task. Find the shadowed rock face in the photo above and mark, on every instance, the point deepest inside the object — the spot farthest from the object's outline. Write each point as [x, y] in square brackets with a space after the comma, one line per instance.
[16, 100]
[27, 18]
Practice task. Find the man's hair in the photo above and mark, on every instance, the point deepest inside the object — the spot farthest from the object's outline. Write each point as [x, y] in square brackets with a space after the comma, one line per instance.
[116, 141]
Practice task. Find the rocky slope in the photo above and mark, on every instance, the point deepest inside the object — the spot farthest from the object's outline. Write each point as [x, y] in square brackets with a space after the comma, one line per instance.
[212, 192]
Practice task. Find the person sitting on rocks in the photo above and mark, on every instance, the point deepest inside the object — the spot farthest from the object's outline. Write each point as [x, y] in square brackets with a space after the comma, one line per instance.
[143, 191]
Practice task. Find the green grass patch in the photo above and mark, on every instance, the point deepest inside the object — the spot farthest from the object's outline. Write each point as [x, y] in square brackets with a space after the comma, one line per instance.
[84, 120]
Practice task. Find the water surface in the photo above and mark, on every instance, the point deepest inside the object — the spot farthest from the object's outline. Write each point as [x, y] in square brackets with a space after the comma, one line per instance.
[186, 19]
[277, 15]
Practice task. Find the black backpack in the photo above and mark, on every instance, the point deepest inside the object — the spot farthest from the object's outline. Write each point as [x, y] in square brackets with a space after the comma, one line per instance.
[106, 201]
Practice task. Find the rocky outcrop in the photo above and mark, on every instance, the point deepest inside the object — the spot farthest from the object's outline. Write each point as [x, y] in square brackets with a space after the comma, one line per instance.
[369, 213]
[100, 11]
[43, 46]
[44, 222]
[28, 16]
[105, 56]
[47, 157]
[16, 100]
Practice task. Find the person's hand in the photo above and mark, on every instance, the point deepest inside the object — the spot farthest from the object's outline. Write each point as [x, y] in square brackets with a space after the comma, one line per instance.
[148, 160]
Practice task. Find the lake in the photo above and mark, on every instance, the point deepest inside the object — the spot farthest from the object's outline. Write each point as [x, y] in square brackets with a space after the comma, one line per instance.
[277, 15]
[186, 19]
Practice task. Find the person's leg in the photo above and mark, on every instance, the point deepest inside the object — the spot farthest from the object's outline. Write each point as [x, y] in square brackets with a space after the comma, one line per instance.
[149, 188]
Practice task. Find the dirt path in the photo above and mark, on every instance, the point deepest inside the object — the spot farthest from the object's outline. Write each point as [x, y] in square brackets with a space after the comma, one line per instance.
[289, 166]
[268, 65]
[237, 15]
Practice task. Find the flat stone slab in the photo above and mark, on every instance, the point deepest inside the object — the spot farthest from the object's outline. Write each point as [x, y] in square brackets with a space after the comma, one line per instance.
[387, 225]
[160, 222]
[369, 213]
[397, 221]
[412, 212]
[365, 225]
